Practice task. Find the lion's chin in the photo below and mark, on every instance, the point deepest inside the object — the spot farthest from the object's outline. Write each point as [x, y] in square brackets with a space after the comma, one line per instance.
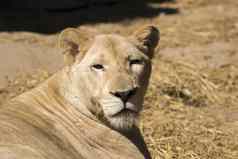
[124, 120]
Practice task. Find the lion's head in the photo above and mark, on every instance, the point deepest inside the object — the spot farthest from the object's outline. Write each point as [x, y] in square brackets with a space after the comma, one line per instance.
[109, 74]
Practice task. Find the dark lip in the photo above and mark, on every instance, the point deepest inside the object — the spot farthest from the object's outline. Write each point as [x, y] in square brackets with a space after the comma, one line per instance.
[125, 110]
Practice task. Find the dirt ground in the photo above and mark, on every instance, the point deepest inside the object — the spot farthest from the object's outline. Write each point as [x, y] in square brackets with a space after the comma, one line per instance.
[191, 108]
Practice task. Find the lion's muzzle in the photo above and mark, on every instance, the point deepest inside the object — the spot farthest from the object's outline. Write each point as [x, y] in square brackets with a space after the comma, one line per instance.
[125, 95]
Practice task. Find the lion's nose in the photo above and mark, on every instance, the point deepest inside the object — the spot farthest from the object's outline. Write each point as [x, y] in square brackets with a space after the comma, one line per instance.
[125, 95]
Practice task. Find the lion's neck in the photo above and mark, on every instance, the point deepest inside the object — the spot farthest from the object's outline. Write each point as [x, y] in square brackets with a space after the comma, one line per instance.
[67, 90]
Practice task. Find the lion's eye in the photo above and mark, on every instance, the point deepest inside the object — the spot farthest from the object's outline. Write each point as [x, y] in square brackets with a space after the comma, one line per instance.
[97, 67]
[137, 62]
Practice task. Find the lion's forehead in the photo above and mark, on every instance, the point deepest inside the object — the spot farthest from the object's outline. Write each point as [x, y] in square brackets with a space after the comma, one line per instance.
[114, 45]
[112, 50]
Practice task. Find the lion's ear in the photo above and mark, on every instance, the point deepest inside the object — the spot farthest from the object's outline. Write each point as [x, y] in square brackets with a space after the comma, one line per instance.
[147, 38]
[68, 42]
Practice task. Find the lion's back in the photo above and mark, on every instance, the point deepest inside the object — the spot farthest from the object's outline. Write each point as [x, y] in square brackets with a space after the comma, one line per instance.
[22, 135]
[15, 138]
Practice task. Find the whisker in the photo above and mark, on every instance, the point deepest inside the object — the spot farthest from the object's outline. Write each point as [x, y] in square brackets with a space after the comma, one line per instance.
[111, 100]
[111, 103]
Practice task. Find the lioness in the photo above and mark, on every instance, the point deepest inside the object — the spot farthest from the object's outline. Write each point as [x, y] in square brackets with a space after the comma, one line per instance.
[87, 110]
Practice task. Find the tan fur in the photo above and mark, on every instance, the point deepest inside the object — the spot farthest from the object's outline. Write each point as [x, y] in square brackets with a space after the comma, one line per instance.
[68, 116]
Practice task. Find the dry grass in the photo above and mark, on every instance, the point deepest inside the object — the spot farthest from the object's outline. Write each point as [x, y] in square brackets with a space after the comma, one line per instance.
[185, 113]
[22, 83]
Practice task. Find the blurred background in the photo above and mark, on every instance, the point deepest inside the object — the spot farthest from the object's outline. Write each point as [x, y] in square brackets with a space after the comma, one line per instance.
[191, 107]
[50, 16]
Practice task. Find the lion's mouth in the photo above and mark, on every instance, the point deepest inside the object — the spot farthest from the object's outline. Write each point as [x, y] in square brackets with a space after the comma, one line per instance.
[126, 110]
[114, 106]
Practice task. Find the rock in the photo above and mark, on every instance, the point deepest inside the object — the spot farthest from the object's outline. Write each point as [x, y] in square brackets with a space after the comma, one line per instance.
[187, 93]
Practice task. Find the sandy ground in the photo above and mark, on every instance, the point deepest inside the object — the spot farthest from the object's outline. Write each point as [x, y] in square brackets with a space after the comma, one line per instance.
[191, 108]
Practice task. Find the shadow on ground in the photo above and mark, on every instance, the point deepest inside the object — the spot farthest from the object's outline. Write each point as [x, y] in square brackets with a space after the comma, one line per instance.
[52, 21]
